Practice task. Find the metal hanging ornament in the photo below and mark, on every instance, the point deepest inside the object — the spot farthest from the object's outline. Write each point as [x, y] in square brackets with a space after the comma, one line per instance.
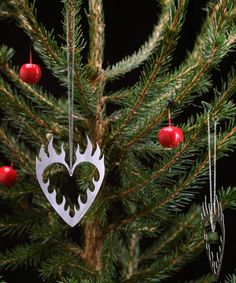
[212, 212]
[44, 160]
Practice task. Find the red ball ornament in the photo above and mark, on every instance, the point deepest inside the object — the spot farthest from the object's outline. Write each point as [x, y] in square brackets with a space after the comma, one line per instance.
[7, 175]
[170, 136]
[30, 73]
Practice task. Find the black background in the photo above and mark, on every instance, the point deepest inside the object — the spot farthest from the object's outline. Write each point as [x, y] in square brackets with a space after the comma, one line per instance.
[128, 24]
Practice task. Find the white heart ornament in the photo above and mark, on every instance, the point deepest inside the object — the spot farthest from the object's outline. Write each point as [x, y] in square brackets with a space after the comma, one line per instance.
[44, 160]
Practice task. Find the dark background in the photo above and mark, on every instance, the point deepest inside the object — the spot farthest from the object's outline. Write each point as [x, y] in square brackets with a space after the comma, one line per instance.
[128, 24]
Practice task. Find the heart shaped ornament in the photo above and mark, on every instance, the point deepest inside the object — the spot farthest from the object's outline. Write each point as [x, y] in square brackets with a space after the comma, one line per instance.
[215, 257]
[44, 160]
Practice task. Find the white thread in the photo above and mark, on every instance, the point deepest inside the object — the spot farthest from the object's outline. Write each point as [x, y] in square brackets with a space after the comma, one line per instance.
[70, 82]
[214, 168]
[209, 158]
[212, 184]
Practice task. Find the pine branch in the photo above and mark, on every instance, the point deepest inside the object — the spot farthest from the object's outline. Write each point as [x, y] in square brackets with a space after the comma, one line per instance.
[49, 51]
[69, 280]
[96, 36]
[181, 226]
[110, 253]
[216, 12]
[227, 91]
[211, 54]
[58, 265]
[80, 76]
[224, 144]
[167, 47]
[146, 187]
[16, 192]
[51, 230]
[27, 20]
[10, 226]
[21, 155]
[14, 100]
[156, 175]
[130, 264]
[204, 279]
[228, 197]
[117, 97]
[147, 49]
[178, 258]
[24, 255]
[36, 94]
[175, 80]
[157, 120]
[183, 185]
[6, 11]
[99, 279]
[29, 133]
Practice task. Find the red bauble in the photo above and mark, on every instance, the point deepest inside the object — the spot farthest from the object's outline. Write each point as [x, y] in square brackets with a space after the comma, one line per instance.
[7, 175]
[170, 136]
[30, 73]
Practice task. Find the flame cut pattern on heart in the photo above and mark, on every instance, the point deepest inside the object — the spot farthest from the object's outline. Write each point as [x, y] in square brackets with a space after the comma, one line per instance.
[44, 160]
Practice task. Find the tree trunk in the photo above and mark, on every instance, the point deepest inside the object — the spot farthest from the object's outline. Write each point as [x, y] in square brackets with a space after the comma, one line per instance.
[93, 244]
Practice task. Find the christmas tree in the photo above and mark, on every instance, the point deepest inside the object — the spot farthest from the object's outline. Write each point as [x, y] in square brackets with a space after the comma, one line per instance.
[145, 223]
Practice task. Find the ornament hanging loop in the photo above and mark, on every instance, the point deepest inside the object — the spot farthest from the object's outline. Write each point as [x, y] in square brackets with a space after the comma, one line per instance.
[70, 34]
[30, 55]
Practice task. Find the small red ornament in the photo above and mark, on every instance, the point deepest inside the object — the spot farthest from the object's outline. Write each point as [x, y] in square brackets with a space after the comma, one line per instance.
[7, 175]
[30, 73]
[170, 136]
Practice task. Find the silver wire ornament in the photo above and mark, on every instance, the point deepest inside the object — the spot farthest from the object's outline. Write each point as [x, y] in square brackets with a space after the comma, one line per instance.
[212, 212]
[44, 160]
[215, 258]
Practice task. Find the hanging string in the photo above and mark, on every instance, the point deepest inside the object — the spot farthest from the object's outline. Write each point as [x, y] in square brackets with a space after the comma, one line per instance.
[209, 158]
[169, 118]
[214, 168]
[30, 55]
[212, 190]
[70, 31]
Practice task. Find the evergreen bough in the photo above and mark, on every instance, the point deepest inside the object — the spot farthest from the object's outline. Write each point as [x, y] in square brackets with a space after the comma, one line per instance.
[148, 192]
